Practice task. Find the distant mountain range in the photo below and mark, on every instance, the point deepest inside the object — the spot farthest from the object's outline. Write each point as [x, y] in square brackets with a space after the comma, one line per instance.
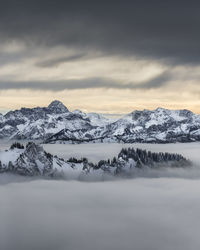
[32, 160]
[56, 123]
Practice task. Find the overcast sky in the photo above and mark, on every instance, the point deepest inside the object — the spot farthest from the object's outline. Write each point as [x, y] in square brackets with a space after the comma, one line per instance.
[104, 56]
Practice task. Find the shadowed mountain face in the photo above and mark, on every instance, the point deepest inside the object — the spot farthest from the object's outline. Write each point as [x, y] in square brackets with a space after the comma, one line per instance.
[56, 123]
[34, 161]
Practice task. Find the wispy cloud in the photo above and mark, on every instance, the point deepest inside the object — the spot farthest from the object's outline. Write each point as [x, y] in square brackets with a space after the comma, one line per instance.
[56, 61]
[92, 83]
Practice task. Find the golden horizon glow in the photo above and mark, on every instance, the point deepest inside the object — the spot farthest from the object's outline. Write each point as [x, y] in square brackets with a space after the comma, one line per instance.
[110, 101]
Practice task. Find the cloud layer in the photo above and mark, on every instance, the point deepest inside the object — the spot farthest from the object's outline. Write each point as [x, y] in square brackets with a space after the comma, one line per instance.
[152, 213]
[135, 45]
[143, 214]
[154, 29]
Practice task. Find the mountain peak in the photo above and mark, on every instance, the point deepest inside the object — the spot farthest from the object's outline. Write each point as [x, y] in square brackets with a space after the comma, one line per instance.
[57, 107]
[161, 109]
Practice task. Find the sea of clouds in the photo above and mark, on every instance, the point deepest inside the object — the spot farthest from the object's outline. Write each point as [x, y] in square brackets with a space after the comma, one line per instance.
[159, 211]
[146, 214]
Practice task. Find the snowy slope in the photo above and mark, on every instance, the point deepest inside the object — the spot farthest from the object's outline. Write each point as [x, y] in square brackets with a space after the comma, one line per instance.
[95, 119]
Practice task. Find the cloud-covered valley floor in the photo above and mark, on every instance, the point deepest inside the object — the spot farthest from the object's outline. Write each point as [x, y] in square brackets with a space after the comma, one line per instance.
[139, 214]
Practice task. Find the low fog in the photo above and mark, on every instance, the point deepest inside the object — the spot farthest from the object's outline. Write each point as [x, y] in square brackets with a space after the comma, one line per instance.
[98, 151]
[158, 212]
[134, 214]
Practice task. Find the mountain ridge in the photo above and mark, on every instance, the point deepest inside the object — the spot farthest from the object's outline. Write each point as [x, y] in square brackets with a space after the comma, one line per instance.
[33, 160]
[55, 123]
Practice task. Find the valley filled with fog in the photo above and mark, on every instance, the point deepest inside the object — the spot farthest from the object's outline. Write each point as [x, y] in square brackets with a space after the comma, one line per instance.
[98, 151]
[159, 209]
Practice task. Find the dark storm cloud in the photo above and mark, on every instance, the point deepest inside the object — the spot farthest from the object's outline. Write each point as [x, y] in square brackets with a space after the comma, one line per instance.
[156, 82]
[166, 30]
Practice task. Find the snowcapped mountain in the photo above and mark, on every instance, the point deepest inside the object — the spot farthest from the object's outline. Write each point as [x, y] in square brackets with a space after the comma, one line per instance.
[41, 123]
[157, 126]
[32, 160]
[56, 123]
[160, 125]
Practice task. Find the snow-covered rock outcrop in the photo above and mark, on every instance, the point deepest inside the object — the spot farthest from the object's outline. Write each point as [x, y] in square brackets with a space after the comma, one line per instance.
[32, 160]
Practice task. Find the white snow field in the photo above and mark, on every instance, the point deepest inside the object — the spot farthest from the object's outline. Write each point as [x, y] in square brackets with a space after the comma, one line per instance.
[138, 214]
